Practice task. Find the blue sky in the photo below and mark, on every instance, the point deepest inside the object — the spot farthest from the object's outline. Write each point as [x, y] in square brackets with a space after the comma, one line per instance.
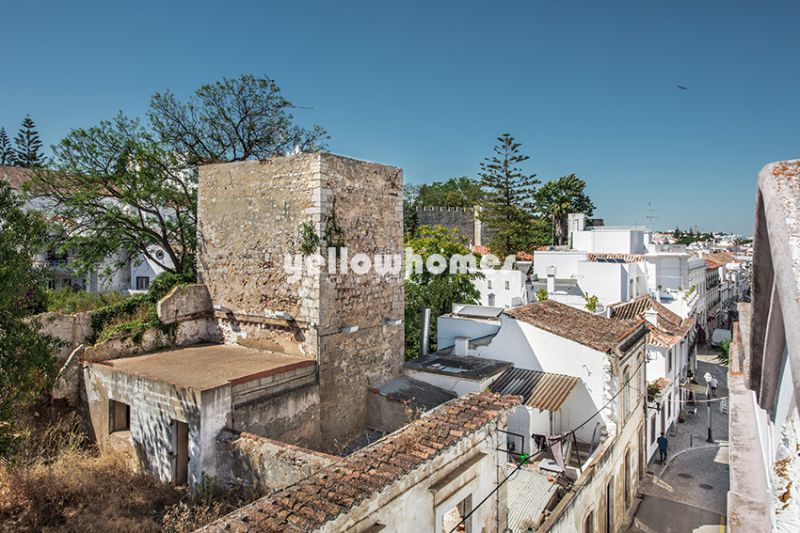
[587, 87]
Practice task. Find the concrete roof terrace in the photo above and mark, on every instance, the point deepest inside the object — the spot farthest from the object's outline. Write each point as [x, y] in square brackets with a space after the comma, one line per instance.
[209, 366]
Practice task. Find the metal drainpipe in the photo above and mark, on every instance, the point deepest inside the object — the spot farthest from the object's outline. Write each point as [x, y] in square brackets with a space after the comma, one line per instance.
[424, 341]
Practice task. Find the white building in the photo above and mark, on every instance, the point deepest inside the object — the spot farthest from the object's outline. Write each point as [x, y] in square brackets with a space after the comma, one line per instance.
[602, 364]
[502, 288]
[120, 272]
[668, 345]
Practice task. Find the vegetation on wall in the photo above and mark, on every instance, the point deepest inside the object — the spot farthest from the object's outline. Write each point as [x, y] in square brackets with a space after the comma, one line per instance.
[591, 302]
[133, 316]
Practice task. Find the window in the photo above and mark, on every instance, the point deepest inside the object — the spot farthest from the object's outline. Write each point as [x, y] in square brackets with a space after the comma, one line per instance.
[119, 416]
[669, 360]
[142, 283]
[456, 518]
[626, 395]
[626, 471]
[669, 406]
[652, 429]
[508, 285]
[488, 284]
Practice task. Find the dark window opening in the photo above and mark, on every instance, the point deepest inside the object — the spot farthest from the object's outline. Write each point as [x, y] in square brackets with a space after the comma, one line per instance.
[119, 417]
[142, 283]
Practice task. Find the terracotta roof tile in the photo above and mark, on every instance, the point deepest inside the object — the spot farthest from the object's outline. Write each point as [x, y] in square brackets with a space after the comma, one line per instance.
[585, 328]
[671, 327]
[316, 500]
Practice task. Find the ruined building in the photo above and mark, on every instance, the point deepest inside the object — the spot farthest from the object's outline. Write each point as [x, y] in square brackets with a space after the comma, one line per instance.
[288, 358]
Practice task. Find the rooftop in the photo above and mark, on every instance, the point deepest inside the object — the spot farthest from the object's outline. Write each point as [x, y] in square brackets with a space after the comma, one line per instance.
[309, 504]
[478, 311]
[15, 176]
[541, 390]
[414, 393]
[464, 367]
[585, 328]
[671, 327]
[208, 366]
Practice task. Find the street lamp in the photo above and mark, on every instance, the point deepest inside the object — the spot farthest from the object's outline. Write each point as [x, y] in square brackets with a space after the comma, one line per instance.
[707, 377]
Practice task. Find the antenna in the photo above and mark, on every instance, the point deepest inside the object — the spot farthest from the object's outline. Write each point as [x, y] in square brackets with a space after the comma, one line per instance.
[650, 216]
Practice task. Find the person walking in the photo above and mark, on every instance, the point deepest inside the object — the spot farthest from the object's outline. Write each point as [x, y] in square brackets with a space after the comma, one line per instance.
[663, 446]
[714, 383]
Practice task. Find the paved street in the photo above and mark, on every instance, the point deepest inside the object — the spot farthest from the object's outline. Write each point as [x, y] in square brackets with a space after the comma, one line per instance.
[689, 492]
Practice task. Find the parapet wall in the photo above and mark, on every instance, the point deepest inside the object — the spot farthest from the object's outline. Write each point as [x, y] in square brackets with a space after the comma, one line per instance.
[267, 465]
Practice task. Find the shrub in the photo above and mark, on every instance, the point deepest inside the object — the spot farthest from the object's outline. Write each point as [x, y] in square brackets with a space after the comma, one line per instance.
[136, 314]
[69, 300]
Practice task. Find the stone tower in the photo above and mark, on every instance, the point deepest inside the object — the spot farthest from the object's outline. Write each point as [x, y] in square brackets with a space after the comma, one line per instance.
[254, 216]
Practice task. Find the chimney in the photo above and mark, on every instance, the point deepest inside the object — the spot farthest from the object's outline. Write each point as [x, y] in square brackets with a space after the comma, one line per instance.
[651, 315]
[551, 279]
[461, 347]
[424, 334]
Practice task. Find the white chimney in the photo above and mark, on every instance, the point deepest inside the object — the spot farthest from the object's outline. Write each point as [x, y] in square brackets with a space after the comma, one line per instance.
[651, 315]
[461, 347]
[551, 279]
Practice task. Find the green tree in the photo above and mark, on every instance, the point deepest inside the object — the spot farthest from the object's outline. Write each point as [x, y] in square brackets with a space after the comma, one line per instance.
[127, 186]
[438, 292]
[560, 197]
[232, 120]
[6, 151]
[410, 204]
[507, 209]
[28, 146]
[455, 192]
[27, 363]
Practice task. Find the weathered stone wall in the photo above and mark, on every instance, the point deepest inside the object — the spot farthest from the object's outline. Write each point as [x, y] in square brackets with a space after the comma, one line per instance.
[463, 219]
[71, 329]
[265, 464]
[153, 406]
[457, 218]
[292, 417]
[251, 214]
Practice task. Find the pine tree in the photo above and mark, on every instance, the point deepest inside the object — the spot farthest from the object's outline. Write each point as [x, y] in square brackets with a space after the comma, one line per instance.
[6, 151]
[508, 207]
[28, 151]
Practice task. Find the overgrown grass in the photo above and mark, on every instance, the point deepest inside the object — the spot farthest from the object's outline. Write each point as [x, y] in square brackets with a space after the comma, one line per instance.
[62, 483]
[69, 300]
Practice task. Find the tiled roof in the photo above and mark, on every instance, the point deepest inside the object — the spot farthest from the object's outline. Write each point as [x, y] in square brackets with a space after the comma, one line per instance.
[723, 258]
[713, 264]
[624, 258]
[671, 327]
[311, 503]
[585, 328]
[15, 176]
[542, 390]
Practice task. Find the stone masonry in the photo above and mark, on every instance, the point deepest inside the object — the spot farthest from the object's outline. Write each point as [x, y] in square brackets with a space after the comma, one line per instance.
[251, 215]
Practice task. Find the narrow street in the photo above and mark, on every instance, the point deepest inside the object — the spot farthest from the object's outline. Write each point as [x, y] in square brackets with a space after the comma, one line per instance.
[689, 493]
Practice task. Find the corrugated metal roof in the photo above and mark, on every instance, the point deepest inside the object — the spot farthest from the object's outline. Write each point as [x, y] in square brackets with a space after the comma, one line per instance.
[529, 492]
[541, 390]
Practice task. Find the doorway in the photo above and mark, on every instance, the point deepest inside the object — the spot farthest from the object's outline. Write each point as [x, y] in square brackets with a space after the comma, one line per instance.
[181, 452]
